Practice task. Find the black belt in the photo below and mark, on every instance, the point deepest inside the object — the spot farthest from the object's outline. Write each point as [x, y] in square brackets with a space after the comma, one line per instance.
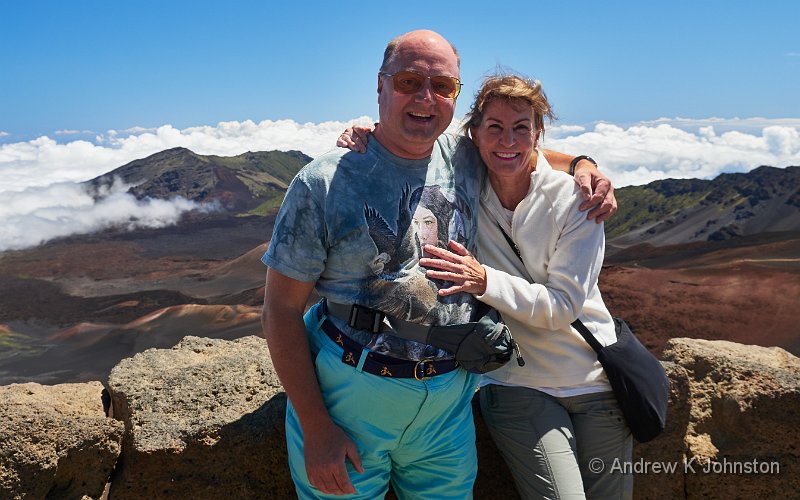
[380, 364]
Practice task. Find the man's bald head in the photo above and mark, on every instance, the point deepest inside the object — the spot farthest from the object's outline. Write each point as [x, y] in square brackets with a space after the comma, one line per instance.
[412, 37]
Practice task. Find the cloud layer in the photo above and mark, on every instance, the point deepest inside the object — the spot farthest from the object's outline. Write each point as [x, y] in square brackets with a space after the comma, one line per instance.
[39, 214]
[43, 161]
[40, 200]
[643, 153]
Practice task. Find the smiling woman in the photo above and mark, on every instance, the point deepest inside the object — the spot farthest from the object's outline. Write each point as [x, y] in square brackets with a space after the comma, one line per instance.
[540, 261]
[506, 123]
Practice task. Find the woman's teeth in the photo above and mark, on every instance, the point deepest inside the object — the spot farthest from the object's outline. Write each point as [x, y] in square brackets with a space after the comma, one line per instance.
[506, 156]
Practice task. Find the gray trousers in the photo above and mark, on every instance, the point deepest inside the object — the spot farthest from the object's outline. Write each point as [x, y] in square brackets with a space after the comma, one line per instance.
[560, 447]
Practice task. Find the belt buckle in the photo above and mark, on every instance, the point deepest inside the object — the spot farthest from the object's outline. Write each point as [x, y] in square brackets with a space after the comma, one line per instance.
[420, 373]
[364, 318]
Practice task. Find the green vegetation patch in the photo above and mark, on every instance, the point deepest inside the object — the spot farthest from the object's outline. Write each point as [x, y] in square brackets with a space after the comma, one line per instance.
[17, 344]
[270, 206]
[278, 165]
[640, 205]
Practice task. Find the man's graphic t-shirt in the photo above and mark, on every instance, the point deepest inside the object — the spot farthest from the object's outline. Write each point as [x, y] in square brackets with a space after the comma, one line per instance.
[355, 224]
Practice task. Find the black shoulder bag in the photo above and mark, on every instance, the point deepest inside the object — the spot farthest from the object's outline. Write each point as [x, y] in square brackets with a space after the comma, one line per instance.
[637, 378]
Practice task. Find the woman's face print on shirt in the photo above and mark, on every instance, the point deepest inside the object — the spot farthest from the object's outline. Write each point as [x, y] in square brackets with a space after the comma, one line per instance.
[401, 289]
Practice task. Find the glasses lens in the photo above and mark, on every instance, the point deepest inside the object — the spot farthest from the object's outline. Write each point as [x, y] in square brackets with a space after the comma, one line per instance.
[445, 86]
[407, 82]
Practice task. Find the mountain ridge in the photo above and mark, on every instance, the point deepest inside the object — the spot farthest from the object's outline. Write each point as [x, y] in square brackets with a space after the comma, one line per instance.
[251, 181]
[662, 212]
[676, 211]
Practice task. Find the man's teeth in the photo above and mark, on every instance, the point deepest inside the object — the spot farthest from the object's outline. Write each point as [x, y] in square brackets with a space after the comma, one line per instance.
[419, 115]
[506, 155]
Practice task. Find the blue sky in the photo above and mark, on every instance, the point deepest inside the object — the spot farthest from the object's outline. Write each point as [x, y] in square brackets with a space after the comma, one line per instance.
[651, 90]
[98, 65]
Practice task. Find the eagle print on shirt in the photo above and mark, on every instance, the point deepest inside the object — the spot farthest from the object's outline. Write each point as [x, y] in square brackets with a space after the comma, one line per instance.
[401, 289]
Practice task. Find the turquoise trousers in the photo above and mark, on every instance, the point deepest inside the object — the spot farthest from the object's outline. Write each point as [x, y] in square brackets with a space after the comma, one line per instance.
[417, 435]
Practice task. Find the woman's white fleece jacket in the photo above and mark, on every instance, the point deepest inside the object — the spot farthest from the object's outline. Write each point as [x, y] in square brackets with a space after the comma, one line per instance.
[563, 254]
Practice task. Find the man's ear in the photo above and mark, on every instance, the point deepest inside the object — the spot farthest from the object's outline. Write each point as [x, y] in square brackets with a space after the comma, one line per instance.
[380, 83]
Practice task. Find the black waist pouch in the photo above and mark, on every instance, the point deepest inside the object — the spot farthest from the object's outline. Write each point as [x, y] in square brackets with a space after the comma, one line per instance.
[479, 346]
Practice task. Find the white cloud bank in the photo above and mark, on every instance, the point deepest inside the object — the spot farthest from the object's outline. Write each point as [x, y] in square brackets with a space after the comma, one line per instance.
[43, 161]
[39, 214]
[39, 200]
[643, 153]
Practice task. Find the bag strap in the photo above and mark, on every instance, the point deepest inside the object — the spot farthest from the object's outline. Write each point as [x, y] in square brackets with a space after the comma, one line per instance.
[587, 335]
[577, 324]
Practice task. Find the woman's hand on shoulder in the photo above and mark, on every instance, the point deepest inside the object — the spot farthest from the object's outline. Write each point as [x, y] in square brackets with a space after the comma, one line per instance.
[355, 138]
[458, 266]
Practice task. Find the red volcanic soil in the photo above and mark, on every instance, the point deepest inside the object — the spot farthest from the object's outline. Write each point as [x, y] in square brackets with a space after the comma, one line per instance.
[75, 307]
[88, 351]
[746, 293]
[741, 302]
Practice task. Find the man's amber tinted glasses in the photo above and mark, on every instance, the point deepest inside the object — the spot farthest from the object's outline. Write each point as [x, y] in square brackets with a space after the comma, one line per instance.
[411, 82]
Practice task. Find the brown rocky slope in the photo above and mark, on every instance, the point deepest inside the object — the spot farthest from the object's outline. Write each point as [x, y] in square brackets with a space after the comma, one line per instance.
[87, 305]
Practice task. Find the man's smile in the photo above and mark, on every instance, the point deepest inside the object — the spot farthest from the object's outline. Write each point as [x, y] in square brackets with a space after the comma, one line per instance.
[421, 117]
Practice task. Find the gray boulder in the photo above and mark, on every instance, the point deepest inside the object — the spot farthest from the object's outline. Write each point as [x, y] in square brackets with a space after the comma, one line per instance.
[56, 441]
[669, 449]
[203, 420]
[743, 434]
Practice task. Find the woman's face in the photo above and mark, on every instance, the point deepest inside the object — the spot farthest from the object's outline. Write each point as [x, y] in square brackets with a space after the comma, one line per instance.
[426, 225]
[506, 138]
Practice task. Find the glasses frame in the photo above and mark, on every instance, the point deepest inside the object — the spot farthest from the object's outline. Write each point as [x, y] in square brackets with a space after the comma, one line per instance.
[458, 83]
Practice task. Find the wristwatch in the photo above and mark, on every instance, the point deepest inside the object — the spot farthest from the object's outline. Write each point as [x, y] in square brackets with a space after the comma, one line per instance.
[576, 160]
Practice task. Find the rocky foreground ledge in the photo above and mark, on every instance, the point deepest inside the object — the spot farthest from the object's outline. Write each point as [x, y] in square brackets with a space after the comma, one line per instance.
[205, 420]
